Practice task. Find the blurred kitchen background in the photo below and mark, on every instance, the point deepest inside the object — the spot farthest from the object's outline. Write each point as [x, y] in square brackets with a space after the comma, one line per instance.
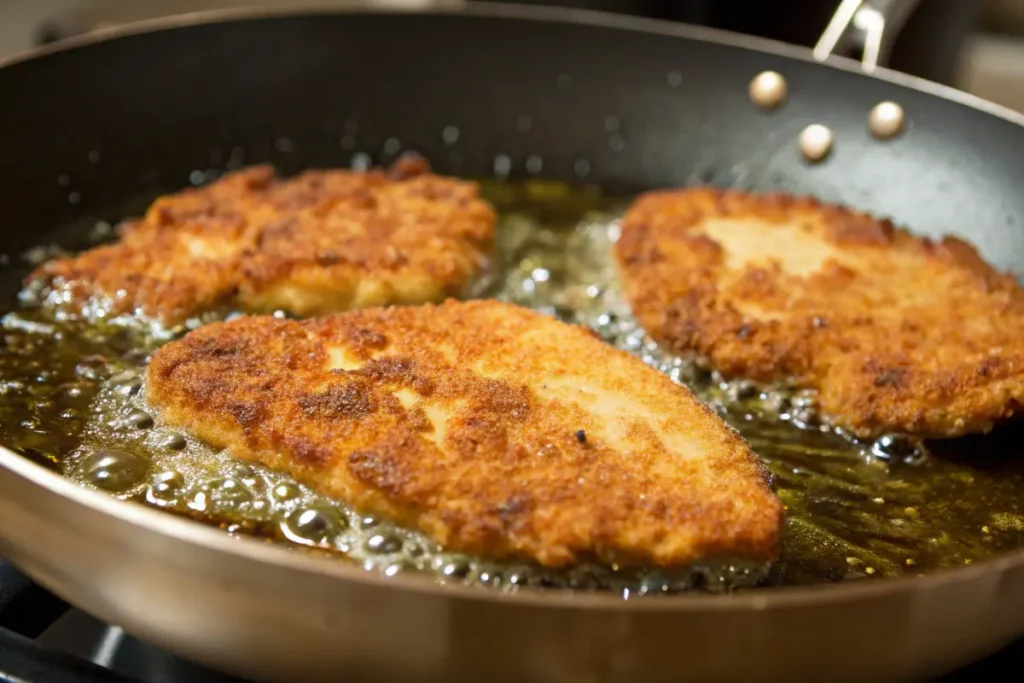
[976, 45]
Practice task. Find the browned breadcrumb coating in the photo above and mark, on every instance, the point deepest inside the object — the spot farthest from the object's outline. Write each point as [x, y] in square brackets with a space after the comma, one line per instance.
[895, 332]
[321, 242]
[495, 430]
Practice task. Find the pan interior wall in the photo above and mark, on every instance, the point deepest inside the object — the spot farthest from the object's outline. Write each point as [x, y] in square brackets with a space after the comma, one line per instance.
[483, 95]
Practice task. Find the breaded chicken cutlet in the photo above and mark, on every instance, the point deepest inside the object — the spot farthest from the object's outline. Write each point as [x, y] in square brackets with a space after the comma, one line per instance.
[495, 430]
[896, 333]
[321, 242]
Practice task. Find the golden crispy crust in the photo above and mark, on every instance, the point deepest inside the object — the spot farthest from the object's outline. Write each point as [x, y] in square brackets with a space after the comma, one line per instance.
[495, 430]
[896, 332]
[321, 242]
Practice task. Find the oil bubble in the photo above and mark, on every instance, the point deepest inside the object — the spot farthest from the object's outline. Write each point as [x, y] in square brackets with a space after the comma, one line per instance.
[173, 441]
[130, 388]
[897, 447]
[44, 406]
[285, 492]
[399, 567]
[241, 470]
[11, 387]
[165, 487]
[92, 368]
[139, 419]
[384, 543]
[313, 525]
[517, 576]
[741, 390]
[114, 470]
[228, 492]
[456, 568]
[70, 391]
[136, 357]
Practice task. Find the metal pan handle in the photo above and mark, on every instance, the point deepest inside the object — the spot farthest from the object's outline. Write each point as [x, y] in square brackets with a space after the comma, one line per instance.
[869, 26]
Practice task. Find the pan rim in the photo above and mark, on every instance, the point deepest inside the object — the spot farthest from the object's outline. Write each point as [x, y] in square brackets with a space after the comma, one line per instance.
[194, 533]
[245, 549]
[550, 14]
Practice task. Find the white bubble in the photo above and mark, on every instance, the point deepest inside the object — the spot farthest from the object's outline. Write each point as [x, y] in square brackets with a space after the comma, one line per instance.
[361, 161]
[502, 166]
[450, 135]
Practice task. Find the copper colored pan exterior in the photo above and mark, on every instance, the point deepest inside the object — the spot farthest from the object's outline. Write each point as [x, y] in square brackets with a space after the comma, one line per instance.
[269, 613]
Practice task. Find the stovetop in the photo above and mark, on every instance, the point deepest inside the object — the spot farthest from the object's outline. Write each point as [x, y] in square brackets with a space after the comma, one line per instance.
[43, 640]
[89, 650]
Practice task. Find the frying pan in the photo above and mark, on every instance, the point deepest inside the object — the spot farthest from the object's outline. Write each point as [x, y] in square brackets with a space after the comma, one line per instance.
[86, 124]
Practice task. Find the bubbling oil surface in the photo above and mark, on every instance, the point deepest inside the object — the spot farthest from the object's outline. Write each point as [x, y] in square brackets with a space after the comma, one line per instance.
[72, 396]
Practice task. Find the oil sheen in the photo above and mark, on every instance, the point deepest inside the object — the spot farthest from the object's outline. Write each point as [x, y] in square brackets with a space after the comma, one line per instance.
[72, 397]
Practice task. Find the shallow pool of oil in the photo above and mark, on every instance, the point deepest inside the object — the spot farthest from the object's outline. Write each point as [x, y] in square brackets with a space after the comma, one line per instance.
[72, 398]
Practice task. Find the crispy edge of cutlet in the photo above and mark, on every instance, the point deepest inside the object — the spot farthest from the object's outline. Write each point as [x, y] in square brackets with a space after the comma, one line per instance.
[871, 377]
[511, 477]
[425, 237]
